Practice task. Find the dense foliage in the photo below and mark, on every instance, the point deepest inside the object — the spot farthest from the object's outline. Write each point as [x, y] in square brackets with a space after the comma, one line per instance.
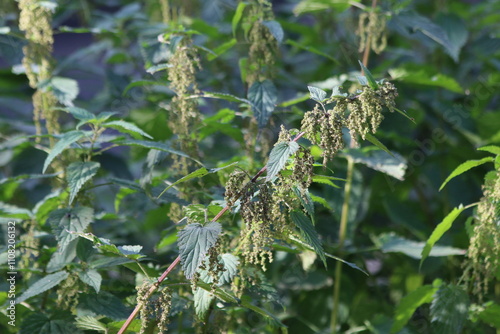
[249, 166]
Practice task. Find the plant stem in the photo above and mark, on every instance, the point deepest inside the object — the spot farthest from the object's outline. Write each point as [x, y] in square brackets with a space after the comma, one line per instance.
[342, 232]
[178, 259]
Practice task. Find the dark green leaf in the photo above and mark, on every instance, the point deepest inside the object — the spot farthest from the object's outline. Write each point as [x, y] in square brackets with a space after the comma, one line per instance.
[409, 304]
[449, 309]
[393, 164]
[63, 256]
[42, 285]
[278, 158]
[371, 80]
[237, 16]
[92, 278]
[152, 145]
[372, 139]
[230, 264]
[194, 242]
[60, 322]
[139, 83]
[308, 232]
[66, 140]
[196, 174]
[306, 200]
[490, 315]
[87, 322]
[456, 31]
[104, 304]
[64, 221]
[77, 174]
[126, 127]
[311, 49]
[263, 96]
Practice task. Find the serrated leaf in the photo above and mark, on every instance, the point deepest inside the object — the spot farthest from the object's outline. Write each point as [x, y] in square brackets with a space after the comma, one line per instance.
[66, 140]
[230, 263]
[438, 232]
[306, 200]
[63, 256]
[60, 322]
[317, 94]
[103, 303]
[371, 80]
[490, 148]
[263, 96]
[449, 309]
[87, 322]
[337, 93]
[92, 278]
[456, 31]
[237, 16]
[194, 242]
[226, 97]
[77, 174]
[490, 315]
[72, 220]
[275, 29]
[308, 233]
[80, 113]
[409, 304]
[202, 300]
[158, 68]
[42, 285]
[462, 168]
[126, 127]
[278, 158]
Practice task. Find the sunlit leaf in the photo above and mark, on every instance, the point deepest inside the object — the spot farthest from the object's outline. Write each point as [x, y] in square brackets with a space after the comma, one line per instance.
[462, 168]
[409, 304]
[66, 140]
[317, 94]
[278, 158]
[449, 309]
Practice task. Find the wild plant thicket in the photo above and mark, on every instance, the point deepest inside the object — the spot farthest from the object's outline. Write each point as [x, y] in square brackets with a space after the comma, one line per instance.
[250, 167]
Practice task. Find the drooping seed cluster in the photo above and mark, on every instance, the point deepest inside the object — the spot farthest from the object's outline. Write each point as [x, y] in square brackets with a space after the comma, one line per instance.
[234, 186]
[371, 29]
[483, 255]
[360, 113]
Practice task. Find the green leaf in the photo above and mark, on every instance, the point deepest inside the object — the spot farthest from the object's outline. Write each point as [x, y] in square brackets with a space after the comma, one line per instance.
[409, 304]
[104, 304]
[278, 158]
[139, 83]
[202, 300]
[66, 140]
[126, 127]
[294, 101]
[306, 6]
[221, 49]
[80, 113]
[88, 322]
[153, 145]
[63, 256]
[42, 285]
[275, 29]
[462, 168]
[490, 315]
[391, 243]
[372, 139]
[92, 278]
[245, 302]
[194, 242]
[226, 97]
[449, 309]
[456, 31]
[393, 165]
[77, 174]
[317, 94]
[196, 174]
[65, 90]
[422, 75]
[64, 221]
[440, 229]
[60, 322]
[230, 264]
[311, 49]
[157, 68]
[308, 233]
[490, 148]
[237, 16]
[371, 80]
[263, 96]
[306, 200]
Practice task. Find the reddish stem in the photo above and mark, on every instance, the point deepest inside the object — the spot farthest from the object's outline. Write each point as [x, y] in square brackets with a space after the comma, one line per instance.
[178, 259]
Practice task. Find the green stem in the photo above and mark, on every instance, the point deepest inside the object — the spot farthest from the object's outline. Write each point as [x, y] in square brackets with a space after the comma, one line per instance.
[342, 234]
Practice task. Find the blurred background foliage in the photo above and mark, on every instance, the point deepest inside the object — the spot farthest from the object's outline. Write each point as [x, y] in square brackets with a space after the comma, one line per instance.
[443, 57]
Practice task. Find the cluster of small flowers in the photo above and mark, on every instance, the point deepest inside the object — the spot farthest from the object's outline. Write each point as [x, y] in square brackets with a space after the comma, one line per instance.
[360, 114]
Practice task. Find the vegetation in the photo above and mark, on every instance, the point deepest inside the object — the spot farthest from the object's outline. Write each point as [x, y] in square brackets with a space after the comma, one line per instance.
[252, 166]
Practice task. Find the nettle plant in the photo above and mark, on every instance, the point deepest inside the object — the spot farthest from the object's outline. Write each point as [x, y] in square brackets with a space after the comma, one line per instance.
[276, 210]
